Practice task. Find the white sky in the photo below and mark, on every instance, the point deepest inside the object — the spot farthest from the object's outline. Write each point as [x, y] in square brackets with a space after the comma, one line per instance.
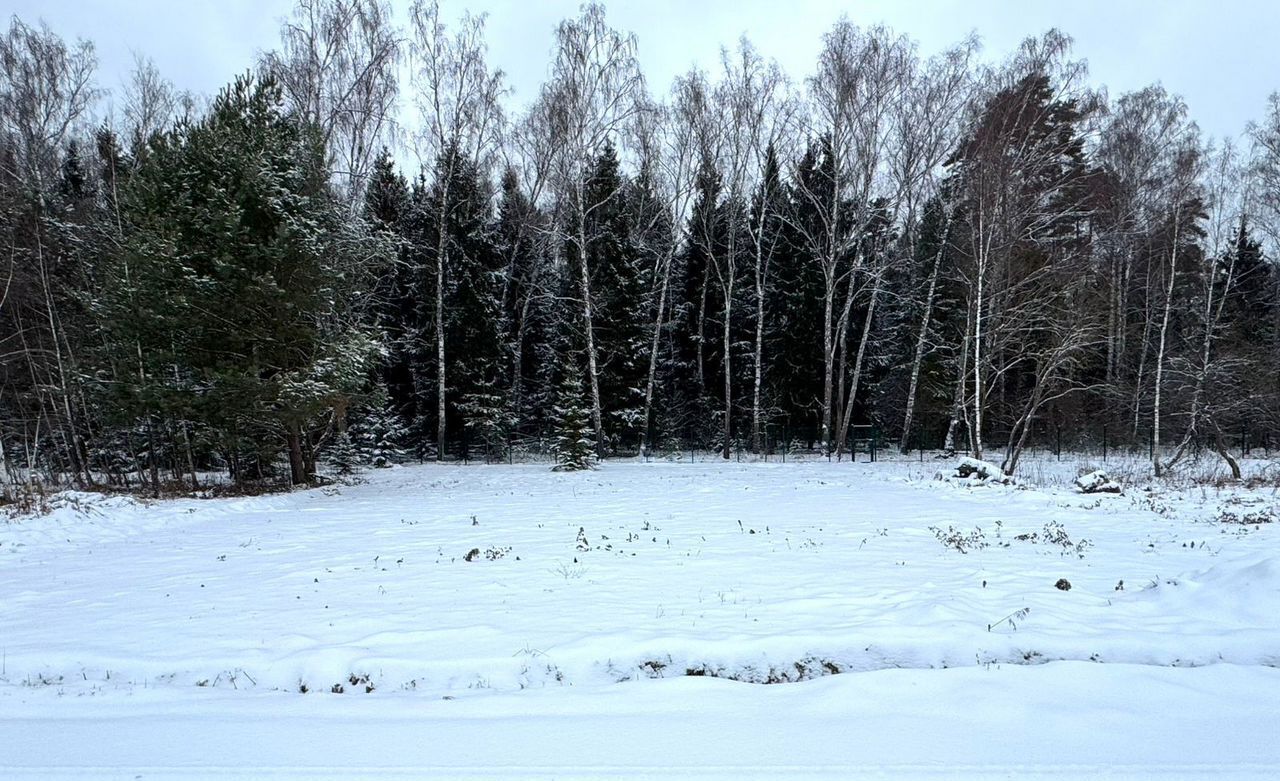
[1222, 56]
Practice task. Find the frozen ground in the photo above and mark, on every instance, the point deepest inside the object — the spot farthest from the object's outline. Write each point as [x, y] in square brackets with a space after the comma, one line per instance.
[592, 631]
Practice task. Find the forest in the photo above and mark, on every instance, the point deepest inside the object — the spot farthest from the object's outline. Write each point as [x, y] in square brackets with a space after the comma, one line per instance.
[363, 251]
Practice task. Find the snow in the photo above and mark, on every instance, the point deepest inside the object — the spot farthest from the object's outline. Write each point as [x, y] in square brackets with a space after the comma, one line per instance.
[977, 471]
[1097, 482]
[172, 639]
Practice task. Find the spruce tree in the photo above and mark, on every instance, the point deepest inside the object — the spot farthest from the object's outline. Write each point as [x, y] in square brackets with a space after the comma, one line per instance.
[489, 419]
[470, 301]
[342, 455]
[575, 446]
[690, 372]
[524, 317]
[796, 333]
[389, 213]
[620, 290]
[377, 432]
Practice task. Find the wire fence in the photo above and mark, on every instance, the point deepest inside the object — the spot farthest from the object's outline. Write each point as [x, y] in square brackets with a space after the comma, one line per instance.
[866, 443]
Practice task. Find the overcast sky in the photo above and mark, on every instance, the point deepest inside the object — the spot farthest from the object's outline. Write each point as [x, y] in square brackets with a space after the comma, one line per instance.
[1223, 56]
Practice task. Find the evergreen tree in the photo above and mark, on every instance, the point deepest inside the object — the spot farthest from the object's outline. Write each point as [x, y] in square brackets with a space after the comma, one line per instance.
[378, 435]
[795, 338]
[575, 447]
[487, 410]
[229, 299]
[342, 455]
[389, 212]
[690, 371]
[473, 299]
[1246, 366]
[525, 318]
[386, 198]
[1252, 303]
[620, 291]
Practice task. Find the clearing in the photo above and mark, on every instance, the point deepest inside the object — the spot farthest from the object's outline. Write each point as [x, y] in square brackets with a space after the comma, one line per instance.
[512, 622]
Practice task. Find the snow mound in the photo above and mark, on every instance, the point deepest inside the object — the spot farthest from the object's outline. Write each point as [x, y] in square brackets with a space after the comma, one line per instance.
[1256, 577]
[972, 471]
[1098, 482]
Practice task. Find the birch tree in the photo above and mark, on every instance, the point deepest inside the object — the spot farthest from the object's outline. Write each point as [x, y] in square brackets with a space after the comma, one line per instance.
[1180, 194]
[46, 94]
[669, 155]
[926, 130]
[1021, 172]
[858, 77]
[1217, 367]
[746, 121]
[337, 65]
[771, 139]
[458, 99]
[1136, 148]
[594, 92]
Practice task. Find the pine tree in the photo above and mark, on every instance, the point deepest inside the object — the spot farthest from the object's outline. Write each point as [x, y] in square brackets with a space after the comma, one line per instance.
[575, 446]
[231, 300]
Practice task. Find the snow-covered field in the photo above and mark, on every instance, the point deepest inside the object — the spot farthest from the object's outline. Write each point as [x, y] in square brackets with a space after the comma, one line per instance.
[507, 621]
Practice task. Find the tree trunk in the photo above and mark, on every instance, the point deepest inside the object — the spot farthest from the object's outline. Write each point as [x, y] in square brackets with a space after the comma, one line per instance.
[1021, 430]
[80, 471]
[297, 466]
[191, 459]
[597, 416]
[828, 367]
[727, 278]
[975, 434]
[517, 360]
[757, 438]
[441, 254]
[958, 404]
[1160, 350]
[728, 369]
[842, 355]
[152, 460]
[651, 380]
[1221, 446]
[757, 380]
[308, 458]
[857, 365]
[918, 359]
[701, 337]
[1142, 369]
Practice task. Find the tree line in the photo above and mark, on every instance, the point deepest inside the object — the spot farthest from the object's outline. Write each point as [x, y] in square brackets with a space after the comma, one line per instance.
[961, 254]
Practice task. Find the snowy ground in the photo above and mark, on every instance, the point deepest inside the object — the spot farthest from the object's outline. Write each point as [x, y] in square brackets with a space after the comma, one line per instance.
[592, 631]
